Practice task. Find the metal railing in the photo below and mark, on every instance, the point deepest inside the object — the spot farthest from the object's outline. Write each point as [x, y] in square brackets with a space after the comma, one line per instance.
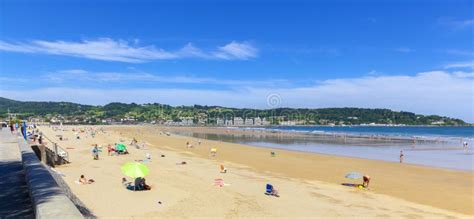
[58, 151]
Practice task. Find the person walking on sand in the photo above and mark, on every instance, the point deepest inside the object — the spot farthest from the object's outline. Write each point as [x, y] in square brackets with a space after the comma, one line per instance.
[366, 182]
[95, 152]
[401, 156]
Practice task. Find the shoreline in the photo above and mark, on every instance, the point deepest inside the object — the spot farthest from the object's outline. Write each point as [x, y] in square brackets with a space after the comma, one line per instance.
[437, 155]
[424, 139]
[468, 175]
[297, 174]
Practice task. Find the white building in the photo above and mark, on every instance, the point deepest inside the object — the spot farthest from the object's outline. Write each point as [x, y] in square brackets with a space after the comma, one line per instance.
[257, 121]
[249, 122]
[288, 123]
[202, 121]
[187, 122]
[238, 121]
[220, 122]
[265, 122]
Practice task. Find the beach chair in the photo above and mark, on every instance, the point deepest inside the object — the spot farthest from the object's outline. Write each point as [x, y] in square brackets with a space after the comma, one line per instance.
[269, 189]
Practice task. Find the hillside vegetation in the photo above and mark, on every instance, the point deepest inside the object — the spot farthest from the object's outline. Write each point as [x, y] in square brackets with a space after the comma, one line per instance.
[210, 114]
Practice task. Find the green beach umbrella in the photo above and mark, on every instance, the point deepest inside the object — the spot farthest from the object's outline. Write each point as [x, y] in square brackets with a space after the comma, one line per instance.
[135, 169]
[120, 147]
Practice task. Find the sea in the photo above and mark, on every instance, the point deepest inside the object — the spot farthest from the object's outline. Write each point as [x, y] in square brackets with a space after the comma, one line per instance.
[434, 146]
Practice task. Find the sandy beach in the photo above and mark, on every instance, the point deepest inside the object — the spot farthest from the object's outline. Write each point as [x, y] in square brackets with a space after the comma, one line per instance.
[309, 183]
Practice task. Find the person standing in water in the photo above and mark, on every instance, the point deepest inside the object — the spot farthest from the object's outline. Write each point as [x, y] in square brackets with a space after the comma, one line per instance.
[401, 156]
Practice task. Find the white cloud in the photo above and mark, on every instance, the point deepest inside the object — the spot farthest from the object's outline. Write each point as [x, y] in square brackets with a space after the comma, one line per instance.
[235, 50]
[80, 76]
[435, 92]
[462, 74]
[404, 50]
[122, 51]
[466, 64]
[460, 52]
[456, 24]
[12, 80]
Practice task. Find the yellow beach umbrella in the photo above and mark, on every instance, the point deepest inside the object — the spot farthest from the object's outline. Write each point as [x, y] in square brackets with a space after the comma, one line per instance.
[135, 169]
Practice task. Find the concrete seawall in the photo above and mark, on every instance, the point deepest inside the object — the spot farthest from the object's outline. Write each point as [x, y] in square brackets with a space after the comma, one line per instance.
[15, 199]
[48, 199]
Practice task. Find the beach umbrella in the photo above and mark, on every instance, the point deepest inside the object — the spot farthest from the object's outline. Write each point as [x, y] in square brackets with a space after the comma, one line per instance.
[120, 147]
[354, 175]
[135, 169]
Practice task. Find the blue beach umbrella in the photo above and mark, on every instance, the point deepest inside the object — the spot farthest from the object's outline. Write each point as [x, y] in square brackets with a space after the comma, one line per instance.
[354, 175]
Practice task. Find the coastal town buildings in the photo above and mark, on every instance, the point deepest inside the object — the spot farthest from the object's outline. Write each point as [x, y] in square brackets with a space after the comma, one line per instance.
[238, 121]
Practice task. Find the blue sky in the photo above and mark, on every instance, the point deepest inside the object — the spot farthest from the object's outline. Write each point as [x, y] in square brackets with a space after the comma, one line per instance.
[404, 55]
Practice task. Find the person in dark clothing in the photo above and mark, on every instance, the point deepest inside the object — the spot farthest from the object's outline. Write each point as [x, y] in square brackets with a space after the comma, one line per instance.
[40, 139]
[23, 131]
[138, 184]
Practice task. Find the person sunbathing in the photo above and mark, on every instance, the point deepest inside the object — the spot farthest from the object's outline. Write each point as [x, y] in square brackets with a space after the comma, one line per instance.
[144, 185]
[271, 190]
[128, 185]
[125, 182]
[84, 180]
[275, 192]
[140, 184]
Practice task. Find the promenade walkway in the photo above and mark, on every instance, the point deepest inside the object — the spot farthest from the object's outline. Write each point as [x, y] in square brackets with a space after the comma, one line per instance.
[15, 200]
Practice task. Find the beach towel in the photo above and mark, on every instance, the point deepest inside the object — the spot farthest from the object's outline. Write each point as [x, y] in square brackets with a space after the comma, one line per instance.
[220, 182]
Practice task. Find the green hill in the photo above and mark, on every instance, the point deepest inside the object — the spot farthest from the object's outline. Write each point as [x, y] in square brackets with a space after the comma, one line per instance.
[210, 114]
[41, 108]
